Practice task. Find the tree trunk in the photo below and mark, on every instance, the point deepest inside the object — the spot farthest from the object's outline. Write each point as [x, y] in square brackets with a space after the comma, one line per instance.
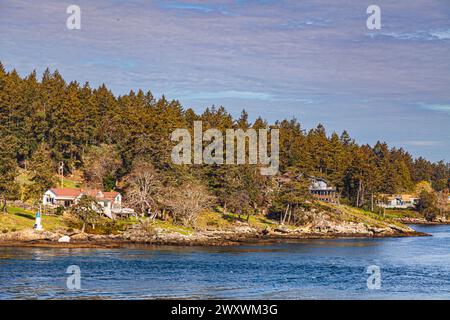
[363, 191]
[285, 214]
[294, 216]
[4, 209]
[358, 194]
[371, 203]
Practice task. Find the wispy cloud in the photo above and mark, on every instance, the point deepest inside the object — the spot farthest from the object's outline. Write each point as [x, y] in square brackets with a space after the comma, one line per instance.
[110, 62]
[432, 35]
[303, 24]
[423, 143]
[437, 107]
[235, 94]
[230, 94]
[441, 34]
[194, 7]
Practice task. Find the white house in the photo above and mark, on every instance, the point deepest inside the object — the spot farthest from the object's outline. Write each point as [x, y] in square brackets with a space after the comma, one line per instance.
[110, 202]
[401, 201]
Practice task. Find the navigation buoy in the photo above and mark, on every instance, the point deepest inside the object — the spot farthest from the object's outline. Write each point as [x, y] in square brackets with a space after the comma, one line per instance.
[37, 223]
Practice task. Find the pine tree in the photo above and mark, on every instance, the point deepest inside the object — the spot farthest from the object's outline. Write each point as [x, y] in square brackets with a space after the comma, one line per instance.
[42, 171]
[8, 171]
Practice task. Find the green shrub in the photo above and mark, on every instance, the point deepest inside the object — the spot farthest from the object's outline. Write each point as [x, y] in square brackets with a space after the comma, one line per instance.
[59, 210]
[430, 214]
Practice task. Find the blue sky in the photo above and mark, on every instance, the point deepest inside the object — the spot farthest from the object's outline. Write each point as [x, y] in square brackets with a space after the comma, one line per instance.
[314, 60]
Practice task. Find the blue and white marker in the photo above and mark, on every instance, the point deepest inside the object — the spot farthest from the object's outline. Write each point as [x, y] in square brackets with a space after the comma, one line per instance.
[37, 223]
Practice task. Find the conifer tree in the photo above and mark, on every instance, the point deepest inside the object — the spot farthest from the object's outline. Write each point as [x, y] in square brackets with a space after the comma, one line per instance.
[8, 171]
[42, 171]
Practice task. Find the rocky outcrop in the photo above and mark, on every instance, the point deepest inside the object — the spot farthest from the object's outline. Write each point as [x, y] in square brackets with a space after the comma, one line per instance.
[64, 239]
[202, 237]
[439, 220]
[30, 235]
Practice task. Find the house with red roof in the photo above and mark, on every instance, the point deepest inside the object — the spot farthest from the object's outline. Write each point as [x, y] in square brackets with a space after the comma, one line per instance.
[110, 202]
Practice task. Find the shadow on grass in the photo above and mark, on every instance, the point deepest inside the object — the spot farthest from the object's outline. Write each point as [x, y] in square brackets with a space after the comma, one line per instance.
[25, 215]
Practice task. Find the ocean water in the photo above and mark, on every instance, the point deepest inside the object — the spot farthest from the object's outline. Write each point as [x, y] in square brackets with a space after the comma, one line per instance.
[410, 268]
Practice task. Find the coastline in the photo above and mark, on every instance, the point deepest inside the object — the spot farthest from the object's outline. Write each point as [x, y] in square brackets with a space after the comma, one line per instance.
[213, 229]
[110, 242]
[422, 221]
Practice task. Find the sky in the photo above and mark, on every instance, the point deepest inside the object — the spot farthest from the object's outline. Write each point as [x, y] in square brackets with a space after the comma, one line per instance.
[314, 60]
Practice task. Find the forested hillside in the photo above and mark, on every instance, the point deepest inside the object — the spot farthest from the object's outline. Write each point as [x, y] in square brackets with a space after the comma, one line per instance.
[118, 141]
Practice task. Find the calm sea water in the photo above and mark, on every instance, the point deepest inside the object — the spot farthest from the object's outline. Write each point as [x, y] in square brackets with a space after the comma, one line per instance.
[411, 268]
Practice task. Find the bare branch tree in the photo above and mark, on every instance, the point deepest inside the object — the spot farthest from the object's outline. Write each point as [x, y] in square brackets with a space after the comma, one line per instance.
[99, 162]
[187, 202]
[143, 188]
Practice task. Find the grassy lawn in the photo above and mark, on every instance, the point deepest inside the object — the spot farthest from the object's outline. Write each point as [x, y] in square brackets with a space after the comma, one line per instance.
[19, 219]
[403, 214]
[226, 220]
[24, 179]
[172, 228]
[70, 183]
[358, 215]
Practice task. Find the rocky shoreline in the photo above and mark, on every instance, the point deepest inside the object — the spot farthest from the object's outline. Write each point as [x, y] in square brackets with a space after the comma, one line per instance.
[233, 236]
[422, 221]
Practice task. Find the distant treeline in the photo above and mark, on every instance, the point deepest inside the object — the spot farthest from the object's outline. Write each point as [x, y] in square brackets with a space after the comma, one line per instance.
[48, 121]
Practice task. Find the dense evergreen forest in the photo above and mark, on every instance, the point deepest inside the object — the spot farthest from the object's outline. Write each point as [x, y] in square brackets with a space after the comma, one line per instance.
[114, 140]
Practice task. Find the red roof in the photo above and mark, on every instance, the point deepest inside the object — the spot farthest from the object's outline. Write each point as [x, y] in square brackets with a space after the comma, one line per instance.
[110, 195]
[66, 192]
[101, 194]
[71, 192]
